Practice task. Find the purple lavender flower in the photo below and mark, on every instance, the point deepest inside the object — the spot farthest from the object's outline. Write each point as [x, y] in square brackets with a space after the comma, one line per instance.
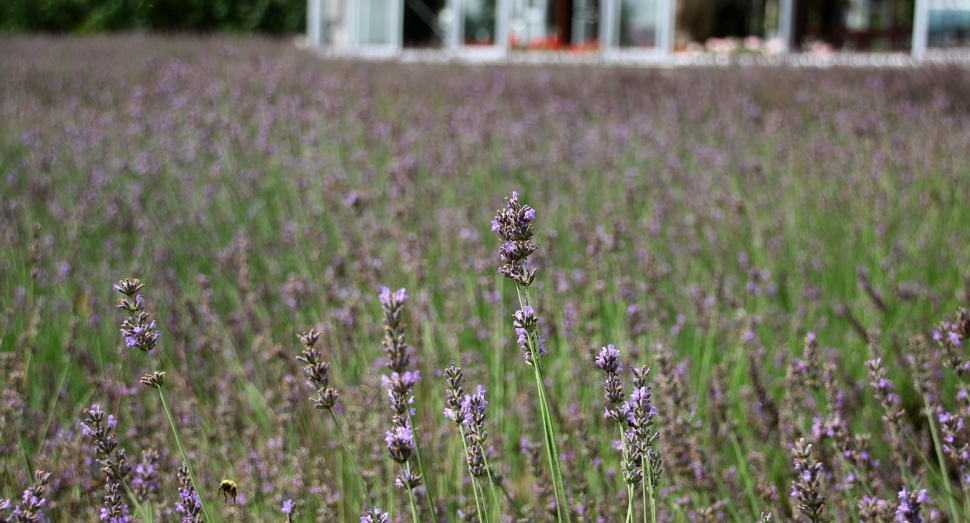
[476, 435]
[317, 371]
[639, 414]
[911, 506]
[188, 504]
[400, 444]
[145, 478]
[99, 428]
[951, 336]
[395, 346]
[398, 390]
[400, 440]
[114, 510]
[513, 225]
[524, 323]
[138, 329]
[454, 394]
[374, 516]
[805, 489]
[33, 500]
[608, 361]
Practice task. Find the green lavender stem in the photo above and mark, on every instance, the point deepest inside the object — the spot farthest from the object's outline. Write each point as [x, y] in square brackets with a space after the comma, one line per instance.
[629, 487]
[646, 479]
[479, 504]
[178, 440]
[363, 484]
[414, 509]
[427, 480]
[552, 451]
[138, 507]
[939, 456]
[491, 484]
[647, 468]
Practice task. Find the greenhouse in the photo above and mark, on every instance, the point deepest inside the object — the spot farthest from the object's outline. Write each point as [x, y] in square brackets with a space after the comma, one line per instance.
[652, 27]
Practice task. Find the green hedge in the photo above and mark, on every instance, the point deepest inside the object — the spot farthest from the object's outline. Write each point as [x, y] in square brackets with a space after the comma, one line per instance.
[87, 16]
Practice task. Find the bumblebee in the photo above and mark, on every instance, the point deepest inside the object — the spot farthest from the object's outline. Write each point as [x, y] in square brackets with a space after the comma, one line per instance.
[228, 488]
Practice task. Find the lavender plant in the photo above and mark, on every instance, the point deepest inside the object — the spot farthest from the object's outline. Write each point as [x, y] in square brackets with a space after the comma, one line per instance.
[807, 488]
[189, 504]
[719, 214]
[513, 225]
[401, 444]
[608, 360]
[318, 375]
[911, 506]
[139, 332]
[640, 415]
[469, 416]
[114, 464]
[32, 502]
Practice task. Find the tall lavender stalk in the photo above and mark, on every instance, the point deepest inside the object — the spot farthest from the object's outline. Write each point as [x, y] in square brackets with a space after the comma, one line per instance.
[401, 443]
[608, 361]
[640, 415]
[474, 407]
[806, 489]
[99, 428]
[456, 411]
[139, 332]
[33, 500]
[189, 503]
[893, 412]
[921, 380]
[513, 225]
[318, 376]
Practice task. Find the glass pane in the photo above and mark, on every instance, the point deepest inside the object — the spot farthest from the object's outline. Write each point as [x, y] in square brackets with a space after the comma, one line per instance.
[638, 23]
[479, 23]
[333, 21]
[949, 23]
[527, 25]
[374, 22]
[586, 23]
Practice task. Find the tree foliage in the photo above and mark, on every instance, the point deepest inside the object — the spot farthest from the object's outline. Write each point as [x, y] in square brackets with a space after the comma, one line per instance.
[88, 16]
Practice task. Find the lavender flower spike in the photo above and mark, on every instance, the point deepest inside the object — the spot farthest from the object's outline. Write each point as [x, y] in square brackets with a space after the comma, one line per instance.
[805, 490]
[608, 361]
[287, 509]
[400, 444]
[513, 225]
[188, 505]
[524, 322]
[317, 371]
[138, 328]
[454, 394]
[911, 506]
[375, 516]
[395, 346]
[33, 500]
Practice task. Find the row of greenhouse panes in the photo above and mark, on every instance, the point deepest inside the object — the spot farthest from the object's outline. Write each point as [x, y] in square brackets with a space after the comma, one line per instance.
[664, 26]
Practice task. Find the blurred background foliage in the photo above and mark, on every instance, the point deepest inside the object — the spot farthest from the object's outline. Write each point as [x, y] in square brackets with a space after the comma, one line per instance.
[199, 16]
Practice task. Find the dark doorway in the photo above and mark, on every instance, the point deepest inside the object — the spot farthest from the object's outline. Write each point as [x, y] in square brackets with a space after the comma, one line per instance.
[854, 25]
[698, 20]
[421, 27]
[561, 15]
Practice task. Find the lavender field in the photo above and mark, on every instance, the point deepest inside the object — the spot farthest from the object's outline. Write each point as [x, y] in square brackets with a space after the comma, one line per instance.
[787, 251]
